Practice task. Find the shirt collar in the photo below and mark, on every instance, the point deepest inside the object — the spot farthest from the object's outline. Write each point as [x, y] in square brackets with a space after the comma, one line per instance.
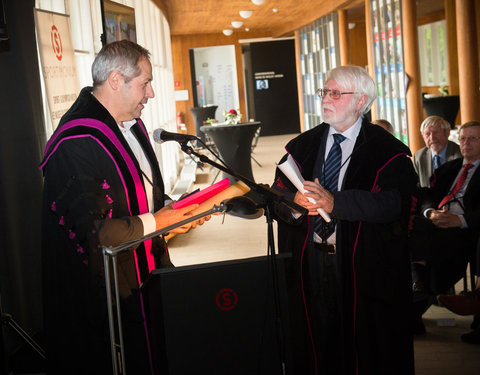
[475, 163]
[442, 154]
[352, 132]
[127, 125]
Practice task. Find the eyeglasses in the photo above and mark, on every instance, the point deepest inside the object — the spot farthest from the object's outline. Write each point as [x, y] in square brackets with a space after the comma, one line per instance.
[471, 139]
[334, 94]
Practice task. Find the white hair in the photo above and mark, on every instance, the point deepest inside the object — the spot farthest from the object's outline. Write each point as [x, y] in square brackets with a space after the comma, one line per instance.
[357, 79]
[434, 121]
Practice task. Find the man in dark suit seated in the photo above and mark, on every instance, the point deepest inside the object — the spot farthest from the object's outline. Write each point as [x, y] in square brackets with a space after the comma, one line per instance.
[445, 233]
[438, 150]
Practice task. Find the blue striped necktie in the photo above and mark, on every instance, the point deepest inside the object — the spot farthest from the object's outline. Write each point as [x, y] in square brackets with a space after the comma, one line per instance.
[436, 161]
[329, 180]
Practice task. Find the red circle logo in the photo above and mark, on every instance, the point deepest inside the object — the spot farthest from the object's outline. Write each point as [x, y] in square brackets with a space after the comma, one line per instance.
[227, 299]
[56, 43]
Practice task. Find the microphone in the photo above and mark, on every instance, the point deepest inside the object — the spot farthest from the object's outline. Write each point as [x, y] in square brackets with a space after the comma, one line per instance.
[160, 136]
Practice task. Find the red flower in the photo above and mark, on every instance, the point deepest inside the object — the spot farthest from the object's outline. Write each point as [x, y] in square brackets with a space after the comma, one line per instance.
[233, 112]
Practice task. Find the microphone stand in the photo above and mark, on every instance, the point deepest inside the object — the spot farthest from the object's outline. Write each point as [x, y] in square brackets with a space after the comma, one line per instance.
[109, 252]
[269, 197]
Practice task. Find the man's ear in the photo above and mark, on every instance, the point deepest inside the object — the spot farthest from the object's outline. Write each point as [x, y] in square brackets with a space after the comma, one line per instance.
[361, 102]
[115, 79]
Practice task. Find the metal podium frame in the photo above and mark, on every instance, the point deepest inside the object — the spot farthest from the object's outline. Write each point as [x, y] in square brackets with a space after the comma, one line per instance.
[110, 253]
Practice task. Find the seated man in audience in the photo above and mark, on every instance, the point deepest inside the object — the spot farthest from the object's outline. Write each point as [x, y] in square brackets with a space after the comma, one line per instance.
[384, 124]
[445, 233]
[466, 304]
[435, 131]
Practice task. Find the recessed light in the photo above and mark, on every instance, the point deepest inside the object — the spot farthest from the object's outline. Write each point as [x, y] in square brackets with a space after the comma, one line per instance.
[245, 13]
[258, 2]
[227, 32]
[247, 29]
[274, 10]
[237, 24]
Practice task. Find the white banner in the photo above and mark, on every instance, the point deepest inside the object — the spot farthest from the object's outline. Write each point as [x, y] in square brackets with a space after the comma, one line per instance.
[57, 61]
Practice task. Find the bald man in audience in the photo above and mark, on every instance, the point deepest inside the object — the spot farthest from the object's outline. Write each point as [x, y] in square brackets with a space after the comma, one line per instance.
[384, 124]
[438, 150]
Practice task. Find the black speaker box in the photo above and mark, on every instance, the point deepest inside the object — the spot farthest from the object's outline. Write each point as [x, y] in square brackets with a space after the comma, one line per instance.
[219, 318]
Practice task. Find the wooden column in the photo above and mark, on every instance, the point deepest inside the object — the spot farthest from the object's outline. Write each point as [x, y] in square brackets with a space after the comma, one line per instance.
[467, 61]
[477, 12]
[299, 82]
[451, 26]
[371, 63]
[343, 36]
[412, 70]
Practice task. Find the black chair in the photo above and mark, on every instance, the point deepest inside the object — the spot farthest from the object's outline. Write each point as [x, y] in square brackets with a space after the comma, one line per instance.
[201, 114]
[443, 106]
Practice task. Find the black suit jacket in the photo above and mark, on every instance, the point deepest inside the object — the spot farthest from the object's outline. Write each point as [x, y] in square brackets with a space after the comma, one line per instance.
[442, 181]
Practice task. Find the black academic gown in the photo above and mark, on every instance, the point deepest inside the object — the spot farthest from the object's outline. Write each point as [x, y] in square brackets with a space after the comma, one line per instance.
[350, 310]
[93, 190]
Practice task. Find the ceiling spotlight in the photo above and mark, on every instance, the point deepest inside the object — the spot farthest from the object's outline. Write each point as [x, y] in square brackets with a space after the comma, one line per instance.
[274, 10]
[227, 32]
[247, 29]
[258, 2]
[237, 24]
[245, 13]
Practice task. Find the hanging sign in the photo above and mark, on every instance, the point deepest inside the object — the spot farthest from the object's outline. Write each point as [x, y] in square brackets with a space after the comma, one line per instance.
[57, 61]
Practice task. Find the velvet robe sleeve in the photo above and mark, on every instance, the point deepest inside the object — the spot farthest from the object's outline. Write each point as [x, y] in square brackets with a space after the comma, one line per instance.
[383, 203]
[83, 196]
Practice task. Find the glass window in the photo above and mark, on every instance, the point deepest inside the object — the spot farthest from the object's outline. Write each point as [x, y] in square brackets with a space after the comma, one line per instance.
[432, 44]
[153, 33]
[318, 54]
[387, 36]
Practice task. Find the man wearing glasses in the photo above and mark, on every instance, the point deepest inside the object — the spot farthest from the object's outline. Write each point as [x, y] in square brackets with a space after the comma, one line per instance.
[352, 275]
[446, 232]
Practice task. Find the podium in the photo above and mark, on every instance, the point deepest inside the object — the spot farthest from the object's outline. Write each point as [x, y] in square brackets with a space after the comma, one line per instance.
[218, 318]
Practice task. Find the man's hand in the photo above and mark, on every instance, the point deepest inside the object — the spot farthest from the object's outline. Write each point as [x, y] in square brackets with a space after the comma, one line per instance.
[322, 196]
[167, 216]
[302, 200]
[444, 219]
[201, 221]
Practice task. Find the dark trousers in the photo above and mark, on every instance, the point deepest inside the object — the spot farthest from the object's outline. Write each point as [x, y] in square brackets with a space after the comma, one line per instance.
[446, 252]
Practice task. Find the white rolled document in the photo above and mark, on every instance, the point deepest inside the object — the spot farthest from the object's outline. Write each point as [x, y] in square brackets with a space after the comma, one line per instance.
[290, 169]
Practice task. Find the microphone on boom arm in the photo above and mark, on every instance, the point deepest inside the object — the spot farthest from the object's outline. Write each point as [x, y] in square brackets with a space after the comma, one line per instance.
[160, 136]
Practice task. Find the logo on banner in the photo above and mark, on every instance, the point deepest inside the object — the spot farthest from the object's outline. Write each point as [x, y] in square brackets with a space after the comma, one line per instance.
[56, 43]
[227, 299]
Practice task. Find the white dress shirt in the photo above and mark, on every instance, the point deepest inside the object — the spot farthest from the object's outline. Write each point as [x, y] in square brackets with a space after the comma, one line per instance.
[149, 224]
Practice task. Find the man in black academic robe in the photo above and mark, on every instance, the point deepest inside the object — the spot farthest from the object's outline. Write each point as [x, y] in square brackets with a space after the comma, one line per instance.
[350, 298]
[95, 194]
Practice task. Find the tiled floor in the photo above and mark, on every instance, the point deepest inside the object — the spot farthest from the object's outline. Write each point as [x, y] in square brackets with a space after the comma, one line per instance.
[439, 352]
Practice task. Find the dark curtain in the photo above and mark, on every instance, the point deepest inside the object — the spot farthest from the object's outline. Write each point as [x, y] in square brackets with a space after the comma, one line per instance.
[22, 138]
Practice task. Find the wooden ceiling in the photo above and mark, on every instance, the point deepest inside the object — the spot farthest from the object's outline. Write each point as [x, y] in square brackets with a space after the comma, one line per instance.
[212, 16]
[187, 17]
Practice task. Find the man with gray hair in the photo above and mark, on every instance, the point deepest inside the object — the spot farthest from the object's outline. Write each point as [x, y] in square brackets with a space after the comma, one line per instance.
[350, 276]
[103, 187]
[438, 149]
